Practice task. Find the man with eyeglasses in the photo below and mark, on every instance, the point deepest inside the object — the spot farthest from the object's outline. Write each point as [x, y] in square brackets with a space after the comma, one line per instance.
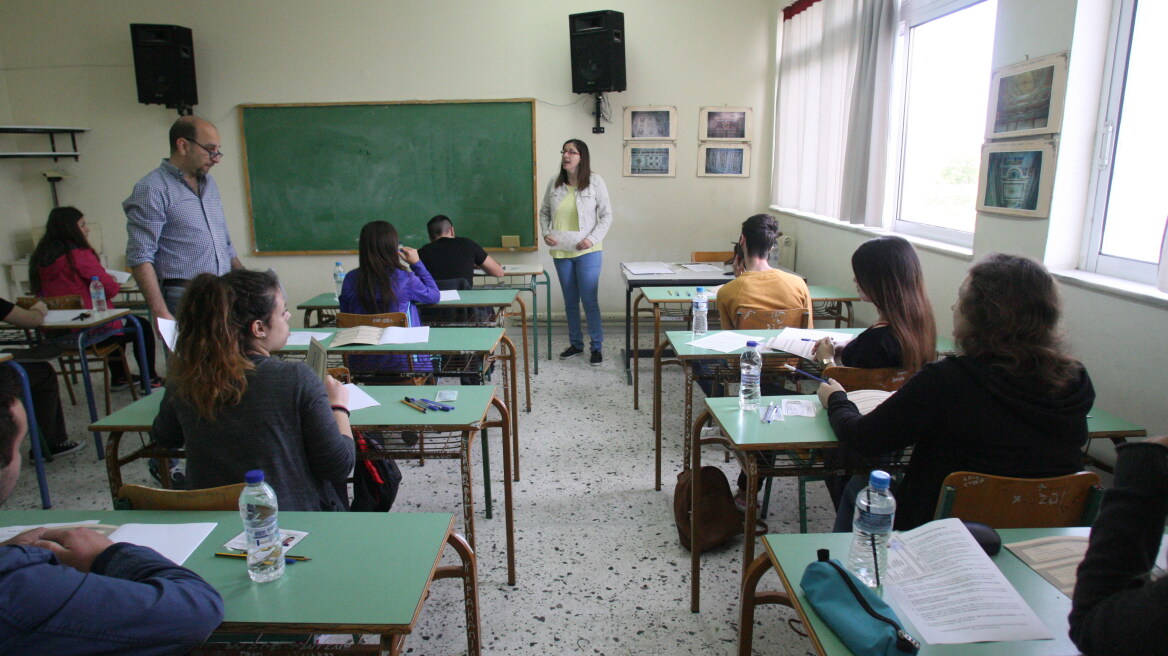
[176, 227]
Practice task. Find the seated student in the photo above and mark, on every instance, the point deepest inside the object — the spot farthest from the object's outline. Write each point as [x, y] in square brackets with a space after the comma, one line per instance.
[235, 408]
[759, 286]
[42, 382]
[73, 591]
[449, 257]
[382, 284]
[1014, 403]
[64, 264]
[888, 275]
[1117, 608]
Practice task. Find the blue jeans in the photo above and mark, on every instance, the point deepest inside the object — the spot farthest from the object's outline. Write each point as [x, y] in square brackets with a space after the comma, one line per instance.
[579, 281]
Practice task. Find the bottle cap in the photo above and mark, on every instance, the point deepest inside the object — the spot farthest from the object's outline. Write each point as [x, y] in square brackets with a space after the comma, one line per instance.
[879, 479]
[752, 344]
[256, 476]
[338, 264]
[701, 290]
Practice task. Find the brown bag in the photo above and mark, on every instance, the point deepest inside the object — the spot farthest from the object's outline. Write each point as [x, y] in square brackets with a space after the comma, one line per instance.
[721, 519]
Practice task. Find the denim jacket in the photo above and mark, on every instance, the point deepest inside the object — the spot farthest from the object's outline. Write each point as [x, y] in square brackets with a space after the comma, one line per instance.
[591, 204]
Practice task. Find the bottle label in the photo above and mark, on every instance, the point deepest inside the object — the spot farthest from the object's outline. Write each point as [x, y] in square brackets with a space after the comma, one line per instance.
[874, 522]
[699, 306]
[750, 379]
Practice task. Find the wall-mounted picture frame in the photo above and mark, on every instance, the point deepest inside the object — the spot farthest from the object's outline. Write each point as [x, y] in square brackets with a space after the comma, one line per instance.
[650, 123]
[1026, 98]
[655, 159]
[1016, 178]
[724, 124]
[724, 160]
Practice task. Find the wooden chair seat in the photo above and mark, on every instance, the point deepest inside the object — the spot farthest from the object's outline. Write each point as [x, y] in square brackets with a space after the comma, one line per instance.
[1007, 502]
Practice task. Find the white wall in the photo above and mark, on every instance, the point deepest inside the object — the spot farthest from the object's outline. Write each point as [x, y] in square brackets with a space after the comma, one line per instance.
[69, 62]
[1118, 338]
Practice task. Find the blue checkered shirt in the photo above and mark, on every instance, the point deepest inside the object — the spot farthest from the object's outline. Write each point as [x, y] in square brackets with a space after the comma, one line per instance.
[181, 233]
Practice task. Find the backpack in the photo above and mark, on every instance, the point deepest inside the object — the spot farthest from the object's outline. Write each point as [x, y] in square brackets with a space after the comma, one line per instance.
[721, 519]
[375, 482]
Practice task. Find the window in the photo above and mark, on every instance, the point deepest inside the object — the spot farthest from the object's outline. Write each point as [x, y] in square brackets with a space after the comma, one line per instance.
[1128, 204]
[947, 59]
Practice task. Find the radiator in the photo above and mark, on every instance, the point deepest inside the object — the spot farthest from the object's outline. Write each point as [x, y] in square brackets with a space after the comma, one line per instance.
[784, 253]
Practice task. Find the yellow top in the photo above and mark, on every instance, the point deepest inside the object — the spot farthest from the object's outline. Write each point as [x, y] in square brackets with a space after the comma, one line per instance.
[567, 219]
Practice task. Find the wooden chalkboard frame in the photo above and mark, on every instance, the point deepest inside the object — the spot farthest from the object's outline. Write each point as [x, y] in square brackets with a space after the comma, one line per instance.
[489, 246]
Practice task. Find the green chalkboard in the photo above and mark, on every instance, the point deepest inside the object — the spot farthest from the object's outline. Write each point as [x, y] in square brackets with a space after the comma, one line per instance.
[317, 173]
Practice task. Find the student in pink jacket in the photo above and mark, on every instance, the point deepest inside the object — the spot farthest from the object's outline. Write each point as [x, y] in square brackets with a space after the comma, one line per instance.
[64, 263]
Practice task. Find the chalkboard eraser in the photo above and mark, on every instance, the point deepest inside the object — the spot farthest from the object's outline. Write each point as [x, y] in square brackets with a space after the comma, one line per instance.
[510, 241]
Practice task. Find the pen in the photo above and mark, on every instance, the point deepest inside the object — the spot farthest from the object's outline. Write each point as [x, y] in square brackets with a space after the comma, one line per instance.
[808, 339]
[287, 559]
[766, 413]
[435, 404]
[413, 405]
[80, 317]
[800, 371]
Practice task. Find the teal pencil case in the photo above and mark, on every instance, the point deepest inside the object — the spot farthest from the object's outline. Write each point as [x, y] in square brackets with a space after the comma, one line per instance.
[861, 619]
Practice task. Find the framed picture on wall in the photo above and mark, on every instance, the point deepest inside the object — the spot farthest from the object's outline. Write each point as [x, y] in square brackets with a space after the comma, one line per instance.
[1016, 178]
[730, 160]
[650, 159]
[724, 124]
[1026, 99]
[650, 123]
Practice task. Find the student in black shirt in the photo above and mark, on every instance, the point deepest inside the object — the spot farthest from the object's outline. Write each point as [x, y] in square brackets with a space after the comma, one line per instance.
[449, 257]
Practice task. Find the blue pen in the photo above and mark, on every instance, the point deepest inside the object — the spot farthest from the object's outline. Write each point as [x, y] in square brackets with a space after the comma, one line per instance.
[800, 371]
[421, 402]
[436, 405]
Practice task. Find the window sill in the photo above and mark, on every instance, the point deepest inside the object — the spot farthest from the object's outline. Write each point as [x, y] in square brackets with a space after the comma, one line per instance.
[957, 252]
[1116, 287]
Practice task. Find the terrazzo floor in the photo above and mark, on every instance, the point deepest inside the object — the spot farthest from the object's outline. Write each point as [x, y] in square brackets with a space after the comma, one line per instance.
[599, 566]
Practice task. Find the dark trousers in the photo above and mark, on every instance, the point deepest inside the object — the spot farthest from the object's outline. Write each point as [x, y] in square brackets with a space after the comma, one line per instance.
[46, 399]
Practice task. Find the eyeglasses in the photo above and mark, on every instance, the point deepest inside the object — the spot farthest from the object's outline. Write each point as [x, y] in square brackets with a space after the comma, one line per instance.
[215, 154]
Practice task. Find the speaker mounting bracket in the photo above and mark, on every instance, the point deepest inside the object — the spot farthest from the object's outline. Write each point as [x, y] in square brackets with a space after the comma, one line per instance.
[598, 129]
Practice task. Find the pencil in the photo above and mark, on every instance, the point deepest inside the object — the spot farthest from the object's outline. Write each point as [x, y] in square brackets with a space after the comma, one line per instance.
[226, 554]
[414, 406]
[800, 371]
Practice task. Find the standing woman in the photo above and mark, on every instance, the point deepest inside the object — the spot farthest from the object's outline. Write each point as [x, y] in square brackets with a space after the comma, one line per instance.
[64, 264]
[381, 284]
[576, 200]
[235, 408]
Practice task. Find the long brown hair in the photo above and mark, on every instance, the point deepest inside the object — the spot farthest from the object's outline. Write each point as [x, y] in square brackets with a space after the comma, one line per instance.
[583, 170]
[889, 272]
[210, 362]
[62, 237]
[377, 258]
[1010, 310]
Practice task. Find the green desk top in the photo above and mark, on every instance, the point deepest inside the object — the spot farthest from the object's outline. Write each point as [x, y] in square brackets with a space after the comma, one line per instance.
[792, 552]
[442, 340]
[830, 293]
[679, 341]
[495, 297]
[379, 592]
[675, 294]
[747, 430]
[470, 408]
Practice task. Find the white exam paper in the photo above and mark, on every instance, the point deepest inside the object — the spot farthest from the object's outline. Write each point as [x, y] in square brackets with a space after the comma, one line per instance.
[61, 316]
[400, 335]
[359, 398]
[963, 597]
[801, 341]
[168, 328]
[799, 408]
[304, 337]
[723, 341]
[640, 268]
[448, 295]
[121, 277]
[703, 267]
[175, 541]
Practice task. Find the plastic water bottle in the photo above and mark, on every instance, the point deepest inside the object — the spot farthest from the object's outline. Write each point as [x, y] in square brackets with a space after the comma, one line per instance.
[97, 295]
[751, 372]
[700, 324]
[875, 510]
[338, 278]
[257, 507]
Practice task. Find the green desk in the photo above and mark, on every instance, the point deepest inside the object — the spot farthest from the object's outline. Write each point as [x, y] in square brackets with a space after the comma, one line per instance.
[337, 591]
[459, 427]
[789, 554]
[528, 278]
[477, 342]
[657, 298]
[800, 442]
[832, 304]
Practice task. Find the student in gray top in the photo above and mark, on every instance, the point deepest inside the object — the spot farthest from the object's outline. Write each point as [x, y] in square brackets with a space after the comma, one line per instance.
[175, 225]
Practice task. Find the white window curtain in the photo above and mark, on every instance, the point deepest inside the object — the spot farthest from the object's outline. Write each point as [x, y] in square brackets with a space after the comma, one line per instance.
[832, 104]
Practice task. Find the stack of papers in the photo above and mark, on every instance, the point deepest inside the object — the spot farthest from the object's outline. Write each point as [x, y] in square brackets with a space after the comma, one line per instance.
[448, 295]
[725, 341]
[801, 341]
[640, 268]
[703, 267]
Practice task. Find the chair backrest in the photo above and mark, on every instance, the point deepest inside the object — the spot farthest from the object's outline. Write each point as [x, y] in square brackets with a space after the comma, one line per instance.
[70, 302]
[1005, 502]
[888, 379]
[348, 319]
[721, 257]
[148, 498]
[341, 374]
[771, 319]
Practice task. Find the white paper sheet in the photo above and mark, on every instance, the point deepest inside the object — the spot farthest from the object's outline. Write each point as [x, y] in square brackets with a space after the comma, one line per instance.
[800, 408]
[168, 328]
[448, 295]
[289, 537]
[723, 341]
[641, 268]
[175, 541]
[703, 267]
[963, 597]
[400, 335]
[121, 277]
[304, 337]
[359, 398]
[61, 316]
[801, 341]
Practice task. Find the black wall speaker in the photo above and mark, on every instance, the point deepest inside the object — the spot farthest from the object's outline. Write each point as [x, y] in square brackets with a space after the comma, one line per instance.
[164, 65]
[598, 51]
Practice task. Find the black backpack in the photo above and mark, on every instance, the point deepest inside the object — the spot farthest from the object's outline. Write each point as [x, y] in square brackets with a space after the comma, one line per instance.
[375, 482]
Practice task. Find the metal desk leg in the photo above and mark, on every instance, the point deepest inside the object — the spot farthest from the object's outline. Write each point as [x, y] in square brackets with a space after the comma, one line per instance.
[34, 433]
[468, 572]
[547, 313]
